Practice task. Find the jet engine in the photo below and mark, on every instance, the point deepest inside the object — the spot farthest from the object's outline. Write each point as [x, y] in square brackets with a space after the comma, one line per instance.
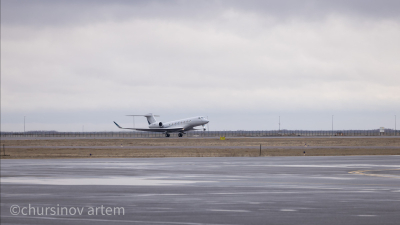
[160, 124]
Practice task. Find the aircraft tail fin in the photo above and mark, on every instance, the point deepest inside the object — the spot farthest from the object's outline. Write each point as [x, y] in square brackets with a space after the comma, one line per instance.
[150, 118]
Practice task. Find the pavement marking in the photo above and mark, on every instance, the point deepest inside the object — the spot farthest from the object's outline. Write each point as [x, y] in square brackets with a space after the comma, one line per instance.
[227, 210]
[367, 173]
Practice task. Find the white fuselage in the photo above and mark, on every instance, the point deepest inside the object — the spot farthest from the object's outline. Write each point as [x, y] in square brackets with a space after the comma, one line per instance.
[177, 126]
[186, 124]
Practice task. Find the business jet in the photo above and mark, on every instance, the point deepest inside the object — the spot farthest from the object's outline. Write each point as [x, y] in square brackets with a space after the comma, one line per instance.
[177, 126]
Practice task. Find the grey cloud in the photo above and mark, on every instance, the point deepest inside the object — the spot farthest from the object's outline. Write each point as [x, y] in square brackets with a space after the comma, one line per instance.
[70, 12]
[225, 59]
[316, 8]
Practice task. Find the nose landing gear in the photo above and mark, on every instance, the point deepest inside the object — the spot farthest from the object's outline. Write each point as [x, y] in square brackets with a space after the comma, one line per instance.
[180, 134]
[166, 135]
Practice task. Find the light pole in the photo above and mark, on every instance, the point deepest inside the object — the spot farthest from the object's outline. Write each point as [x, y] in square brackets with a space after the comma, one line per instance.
[279, 123]
[24, 124]
[332, 124]
[395, 124]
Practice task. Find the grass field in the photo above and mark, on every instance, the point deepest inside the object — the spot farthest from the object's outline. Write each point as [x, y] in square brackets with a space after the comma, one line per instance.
[198, 147]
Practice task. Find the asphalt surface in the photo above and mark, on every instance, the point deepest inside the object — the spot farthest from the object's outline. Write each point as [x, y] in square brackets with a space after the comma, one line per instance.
[259, 190]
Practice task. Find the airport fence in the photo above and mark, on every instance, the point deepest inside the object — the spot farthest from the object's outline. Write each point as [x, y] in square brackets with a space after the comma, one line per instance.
[239, 133]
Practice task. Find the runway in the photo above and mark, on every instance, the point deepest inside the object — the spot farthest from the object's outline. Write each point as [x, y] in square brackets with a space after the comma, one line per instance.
[248, 190]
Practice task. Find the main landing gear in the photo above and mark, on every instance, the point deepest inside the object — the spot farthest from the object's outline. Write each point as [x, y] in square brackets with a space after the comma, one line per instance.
[179, 135]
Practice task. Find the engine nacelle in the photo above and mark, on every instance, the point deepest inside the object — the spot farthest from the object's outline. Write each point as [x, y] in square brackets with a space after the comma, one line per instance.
[156, 125]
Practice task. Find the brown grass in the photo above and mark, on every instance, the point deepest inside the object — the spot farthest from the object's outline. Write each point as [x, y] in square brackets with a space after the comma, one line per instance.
[192, 147]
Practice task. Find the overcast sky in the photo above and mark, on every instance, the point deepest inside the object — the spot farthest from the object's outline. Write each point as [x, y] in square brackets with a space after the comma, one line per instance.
[69, 64]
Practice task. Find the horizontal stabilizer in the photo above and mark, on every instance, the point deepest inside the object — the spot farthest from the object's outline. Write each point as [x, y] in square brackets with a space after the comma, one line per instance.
[144, 115]
[149, 116]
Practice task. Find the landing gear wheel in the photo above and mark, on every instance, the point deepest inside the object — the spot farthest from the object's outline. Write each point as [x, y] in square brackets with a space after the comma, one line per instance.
[166, 135]
[180, 134]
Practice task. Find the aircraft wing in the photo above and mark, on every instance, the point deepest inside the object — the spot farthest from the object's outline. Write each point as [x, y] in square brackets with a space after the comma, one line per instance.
[175, 129]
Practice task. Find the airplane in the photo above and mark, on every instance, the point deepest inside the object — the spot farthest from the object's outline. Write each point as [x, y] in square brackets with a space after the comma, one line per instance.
[177, 126]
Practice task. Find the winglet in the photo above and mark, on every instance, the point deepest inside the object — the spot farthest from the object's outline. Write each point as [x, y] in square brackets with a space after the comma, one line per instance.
[117, 124]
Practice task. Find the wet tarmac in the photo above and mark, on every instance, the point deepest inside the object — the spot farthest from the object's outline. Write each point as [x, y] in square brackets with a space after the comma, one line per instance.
[259, 190]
